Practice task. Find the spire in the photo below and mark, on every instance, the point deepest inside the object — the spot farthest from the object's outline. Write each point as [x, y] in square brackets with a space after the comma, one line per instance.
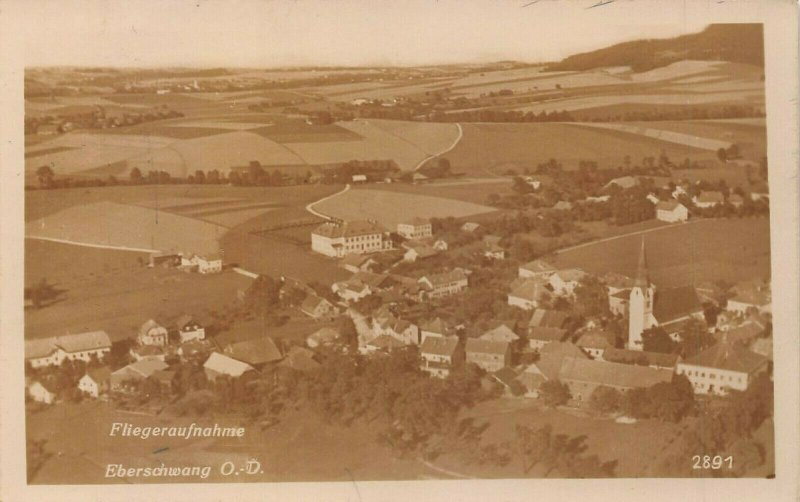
[642, 280]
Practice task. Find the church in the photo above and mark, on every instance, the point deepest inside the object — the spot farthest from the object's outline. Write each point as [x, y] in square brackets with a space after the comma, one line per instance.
[649, 307]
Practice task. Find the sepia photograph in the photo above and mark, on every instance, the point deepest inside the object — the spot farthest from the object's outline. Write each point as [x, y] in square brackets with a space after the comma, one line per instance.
[274, 245]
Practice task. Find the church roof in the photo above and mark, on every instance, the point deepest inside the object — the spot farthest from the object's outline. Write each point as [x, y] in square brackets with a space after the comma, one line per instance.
[642, 280]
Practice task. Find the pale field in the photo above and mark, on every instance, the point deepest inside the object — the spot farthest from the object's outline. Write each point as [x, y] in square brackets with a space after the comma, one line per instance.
[570, 104]
[547, 82]
[663, 135]
[231, 219]
[678, 69]
[82, 159]
[177, 203]
[121, 225]
[390, 207]
[235, 126]
[721, 86]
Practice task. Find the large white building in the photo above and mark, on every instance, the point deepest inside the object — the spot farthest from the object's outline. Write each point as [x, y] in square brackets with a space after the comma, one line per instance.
[722, 367]
[78, 347]
[338, 239]
[415, 228]
[671, 211]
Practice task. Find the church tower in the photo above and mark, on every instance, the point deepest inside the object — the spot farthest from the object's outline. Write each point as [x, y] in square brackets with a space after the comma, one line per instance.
[640, 305]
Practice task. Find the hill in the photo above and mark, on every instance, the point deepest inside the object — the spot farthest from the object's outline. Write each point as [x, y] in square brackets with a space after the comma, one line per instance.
[738, 43]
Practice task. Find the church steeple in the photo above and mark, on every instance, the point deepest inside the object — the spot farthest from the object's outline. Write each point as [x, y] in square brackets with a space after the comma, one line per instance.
[642, 280]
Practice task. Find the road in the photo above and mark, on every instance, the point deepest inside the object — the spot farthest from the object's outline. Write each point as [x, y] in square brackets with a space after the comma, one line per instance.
[310, 206]
[606, 239]
[429, 157]
[98, 246]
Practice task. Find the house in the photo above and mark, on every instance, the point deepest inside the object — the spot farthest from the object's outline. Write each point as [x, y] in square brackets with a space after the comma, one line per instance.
[548, 366]
[219, 365]
[318, 308]
[470, 227]
[323, 336]
[562, 205]
[440, 354]
[531, 379]
[435, 328]
[417, 250]
[357, 263]
[256, 352]
[194, 350]
[444, 284]
[721, 367]
[760, 191]
[750, 297]
[152, 333]
[564, 282]
[42, 392]
[164, 260]
[624, 182]
[501, 333]
[735, 200]
[440, 245]
[404, 331]
[96, 381]
[494, 251]
[508, 378]
[339, 239]
[762, 347]
[652, 198]
[545, 318]
[536, 268]
[527, 293]
[642, 358]
[381, 343]
[359, 178]
[133, 373]
[679, 191]
[534, 183]
[299, 359]
[415, 228]
[351, 290]
[189, 329]
[538, 337]
[583, 376]
[74, 347]
[671, 211]
[595, 342]
[140, 352]
[204, 264]
[708, 199]
[488, 354]
[744, 333]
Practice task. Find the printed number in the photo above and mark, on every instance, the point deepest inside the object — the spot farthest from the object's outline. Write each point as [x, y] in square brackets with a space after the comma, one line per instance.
[708, 462]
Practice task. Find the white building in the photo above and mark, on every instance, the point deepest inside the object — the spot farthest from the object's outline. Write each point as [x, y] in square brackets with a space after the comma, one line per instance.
[526, 293]
[708, 199]
[444, 284]
[441, 354]
[205, 264]
[78, 347]
[565, 281]
[40, 392]
[96, 381]
[338, 239]
[189, 329]
[671, 211]
[536, 268]
[722, 367]
[152, 333]
[415, 228]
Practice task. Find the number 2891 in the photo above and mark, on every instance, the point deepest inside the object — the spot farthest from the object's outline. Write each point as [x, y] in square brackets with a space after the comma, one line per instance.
[712, 462]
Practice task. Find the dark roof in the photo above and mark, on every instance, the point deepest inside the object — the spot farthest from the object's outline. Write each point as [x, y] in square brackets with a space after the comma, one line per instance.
[596, 339]
[674, 303]
[300, 359]
[548, 318]
[669, 205]
[311, 302]
[726, 355]
[439, 345]
[553, 353]
[625, 356]
[547, 334]
[612, 374]
[349, 229]
[506, 376]
[538, 266]
[486, 346]
[385, 342]
[255, 351]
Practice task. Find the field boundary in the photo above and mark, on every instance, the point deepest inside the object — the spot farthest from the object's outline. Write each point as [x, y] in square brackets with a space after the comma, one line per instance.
[455, 143]
[88, 245]
[621, 236]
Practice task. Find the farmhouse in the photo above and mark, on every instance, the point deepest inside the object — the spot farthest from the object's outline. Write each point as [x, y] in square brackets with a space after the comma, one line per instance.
[165, 260]
[441, 354]
[339, 239]
[323, 336]
[501, 333]
[553, 354]
[96, 381]
[751, 297]
[152, 333]
[123, 378]
[351, 290]
[189, 329]
[583, 376]
[444, 284]
[538, 337]
[257, 352]
[386, 324]
[708, 199]
[299, 359]
[526, 293]
[359, 178]
[42, 392]
[437, 328]
[548, 319]
[536, 268]
[357, 263]
[140, 352]
[440, 245]
[417, 250]
[564, 282]
[722, 367]
[595, 343]
[219, 365]
[671, 211]
[415, 228]
[78, 347]
[382, 343]
[469, 227]
[494, 251]
[317, 307]
[204, 264]
[487, 354]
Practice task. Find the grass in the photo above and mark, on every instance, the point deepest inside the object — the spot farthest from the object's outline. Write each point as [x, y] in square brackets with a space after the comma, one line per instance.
[473, 191]
[706, 250]
[389, 207]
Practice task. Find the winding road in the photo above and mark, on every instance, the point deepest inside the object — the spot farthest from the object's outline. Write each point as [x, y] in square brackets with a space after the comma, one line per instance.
[429, 157]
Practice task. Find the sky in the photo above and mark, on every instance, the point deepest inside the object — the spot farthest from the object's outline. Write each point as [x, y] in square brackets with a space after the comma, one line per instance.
[276, 33]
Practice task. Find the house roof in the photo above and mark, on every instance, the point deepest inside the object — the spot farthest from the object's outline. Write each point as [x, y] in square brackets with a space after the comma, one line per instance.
[625, 356]
[439, 345]
[546, 333]
[300, 359]
[372, 280]
[709, 197]
[311, 302]
[538, 266]
[612, 374]
[255, 351]
[437, 325]
[444, 278]
[476, 345]
[744, 332]
[571, 274]
[763, 347]
[163, 376]
[385, 342]
[548, 318]
[726, 355]
[99, 375]
[91, 340]
[147, 326]
[39, 347]
[616, 280]
[147, 350]
[506, 376]
[145, 367]
[668, 205]
[225, 365]
[595, 339]
[349, 229]
[501, 333]
[674, 303]
[752, 295]
[470, 226]
[623, 294]
[624, 182]
[532, 379]
[356, 260]
[551, 355]
[529, 289]
[422, 249]
[183, 320]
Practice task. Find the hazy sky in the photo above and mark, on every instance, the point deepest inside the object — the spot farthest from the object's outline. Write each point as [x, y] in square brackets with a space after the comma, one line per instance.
[340, 32]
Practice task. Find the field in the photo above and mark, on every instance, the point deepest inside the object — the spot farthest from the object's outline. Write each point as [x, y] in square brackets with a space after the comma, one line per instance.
[110, 290]
[474, 190]
[690, 253]
[389, 207]
[498, 147]
[685, 99]
[678, 138]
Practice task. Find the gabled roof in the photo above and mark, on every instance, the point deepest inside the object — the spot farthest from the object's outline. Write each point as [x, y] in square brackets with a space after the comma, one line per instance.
[674, 303]
[437, 325]
[616, 280]
[752, 295]
[476, 345]
[529, 289]
[349, 229]
[443, 278]
[668, 205]
[744, 332]
[79, 342]
[372, 280]
[255, 351]
[570, 274]
[40, 347]
[548, 318]
[538, 266]
[552, 354]
[612, 374]
[183, 320]
[385, 342]
[225, 365]
[300, 359]
[625, 356]
[501, 333]
[99, 375]
[470, 226]
[145, 367]
[356, 260]
[595, 339]
[311, 302]
[147, 326]
[726, 355]
[546, 334]
[439, 345]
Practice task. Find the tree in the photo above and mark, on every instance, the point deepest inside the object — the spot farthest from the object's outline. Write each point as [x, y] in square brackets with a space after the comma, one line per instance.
[136, 175]
[657, 340]
[199, 177]
[694, 338]
[45, 176]
[722, 155]
[554, 393]
[591, 297]
[605, 399]
[347, 329]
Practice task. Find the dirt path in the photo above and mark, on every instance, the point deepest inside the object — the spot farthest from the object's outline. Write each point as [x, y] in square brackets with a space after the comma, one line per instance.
[310, 205]
[621, 236]
[441, 470]
[429, 157]
[99, 246]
